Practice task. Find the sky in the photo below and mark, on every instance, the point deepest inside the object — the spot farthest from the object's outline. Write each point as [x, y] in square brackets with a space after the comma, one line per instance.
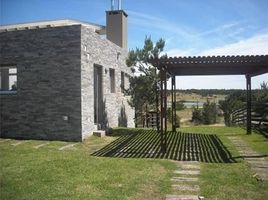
[189, 27]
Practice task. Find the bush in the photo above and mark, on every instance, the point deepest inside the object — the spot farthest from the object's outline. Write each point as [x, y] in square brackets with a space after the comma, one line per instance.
[169, 118]
[180, 105]
[209, 114]
[197, 117]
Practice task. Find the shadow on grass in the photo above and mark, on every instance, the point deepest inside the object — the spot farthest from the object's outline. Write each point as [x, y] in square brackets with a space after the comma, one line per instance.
[180, 146]
[257, 130]
[260, 131]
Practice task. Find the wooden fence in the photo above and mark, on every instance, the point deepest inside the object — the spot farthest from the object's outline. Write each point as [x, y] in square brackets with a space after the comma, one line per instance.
[147, 120]
[259, 116]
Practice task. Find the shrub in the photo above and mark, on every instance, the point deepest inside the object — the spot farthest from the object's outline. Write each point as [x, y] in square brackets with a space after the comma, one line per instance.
[197, 117]
[180, 105]
[209, 114]
[169, 118]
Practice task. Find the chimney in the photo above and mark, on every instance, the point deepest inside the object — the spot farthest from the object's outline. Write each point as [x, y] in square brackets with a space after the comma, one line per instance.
[116, 25]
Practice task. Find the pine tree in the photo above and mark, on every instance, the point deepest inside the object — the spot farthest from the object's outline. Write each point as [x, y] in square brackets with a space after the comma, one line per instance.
[143, 85]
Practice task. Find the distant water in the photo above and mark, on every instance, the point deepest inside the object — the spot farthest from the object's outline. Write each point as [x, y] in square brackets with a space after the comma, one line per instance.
[190, 104]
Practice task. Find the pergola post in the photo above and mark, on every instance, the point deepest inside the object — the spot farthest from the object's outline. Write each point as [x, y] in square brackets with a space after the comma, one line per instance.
[161, 109]
[156, 100]
[157, 105]
[165, 109]
[173, 103]
[248, 104]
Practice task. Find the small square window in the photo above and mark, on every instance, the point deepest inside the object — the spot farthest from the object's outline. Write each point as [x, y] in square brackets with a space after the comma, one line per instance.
[8, 80]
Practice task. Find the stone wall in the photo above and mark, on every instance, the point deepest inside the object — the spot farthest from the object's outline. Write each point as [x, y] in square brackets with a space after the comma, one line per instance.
[48, 62]
[96, 50]
[55, 95]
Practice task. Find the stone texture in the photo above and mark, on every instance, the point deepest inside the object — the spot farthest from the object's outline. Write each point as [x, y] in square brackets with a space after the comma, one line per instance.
[190, 167]
[187, 181]
[193, 188]
[68, 146]
[99, 133]
[257, 162]
[181, 197]
[18, 143]
[41, 145]
[48, 79]
[187, 172]
[101, 52]
[184, 179]
[4, 140]
[54, 99]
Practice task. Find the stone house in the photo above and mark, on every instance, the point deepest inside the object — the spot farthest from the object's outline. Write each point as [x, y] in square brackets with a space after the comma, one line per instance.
[62, 80]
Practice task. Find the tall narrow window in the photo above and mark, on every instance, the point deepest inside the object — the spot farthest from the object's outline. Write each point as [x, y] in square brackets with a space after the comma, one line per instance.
[112, 80]
[122, 82]
[8, 80]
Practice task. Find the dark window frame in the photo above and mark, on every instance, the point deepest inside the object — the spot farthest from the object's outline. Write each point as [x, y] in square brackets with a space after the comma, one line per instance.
[5, 86]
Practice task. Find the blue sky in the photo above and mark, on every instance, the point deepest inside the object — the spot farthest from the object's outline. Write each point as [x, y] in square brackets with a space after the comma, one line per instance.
[190, 27]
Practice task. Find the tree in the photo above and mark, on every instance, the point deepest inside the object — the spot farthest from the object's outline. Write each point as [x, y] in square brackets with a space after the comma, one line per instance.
[169, 117]
[231, 103]
[144, 84]
[180, 105]
[209, 113]
[237, 100]
[197, 117]
[264, 85]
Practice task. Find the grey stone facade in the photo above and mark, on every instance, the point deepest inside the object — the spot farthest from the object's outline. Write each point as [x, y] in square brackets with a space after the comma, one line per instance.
[102, 52]
[55, 94]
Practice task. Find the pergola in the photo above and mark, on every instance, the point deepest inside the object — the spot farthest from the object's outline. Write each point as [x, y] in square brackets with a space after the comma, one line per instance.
[207, 65]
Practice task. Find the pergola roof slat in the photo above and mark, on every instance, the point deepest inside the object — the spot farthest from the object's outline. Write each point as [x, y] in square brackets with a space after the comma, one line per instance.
[214, 65]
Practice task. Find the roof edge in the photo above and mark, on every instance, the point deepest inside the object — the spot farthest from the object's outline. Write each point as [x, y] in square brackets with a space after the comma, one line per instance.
[50, 23]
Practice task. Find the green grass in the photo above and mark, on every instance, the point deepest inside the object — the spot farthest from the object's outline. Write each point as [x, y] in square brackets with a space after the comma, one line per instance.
[47, 173]
[123, 169]
[232, 181]
[256, 141]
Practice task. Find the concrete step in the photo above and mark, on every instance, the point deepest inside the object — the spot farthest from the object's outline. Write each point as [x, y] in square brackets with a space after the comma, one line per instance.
[184, 179]
[187, 172]
[190, 167]
[192, 188]
[99, 133]
[181, 197]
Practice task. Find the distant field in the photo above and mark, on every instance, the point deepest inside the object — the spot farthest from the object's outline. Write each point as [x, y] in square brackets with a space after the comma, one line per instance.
[186, 114]
[196, 97]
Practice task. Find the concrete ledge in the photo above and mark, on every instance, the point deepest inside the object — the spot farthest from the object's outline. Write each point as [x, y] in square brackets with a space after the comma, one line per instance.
[99, 133]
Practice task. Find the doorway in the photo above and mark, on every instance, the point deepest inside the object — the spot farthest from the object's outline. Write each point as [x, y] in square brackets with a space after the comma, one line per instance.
[98, 96]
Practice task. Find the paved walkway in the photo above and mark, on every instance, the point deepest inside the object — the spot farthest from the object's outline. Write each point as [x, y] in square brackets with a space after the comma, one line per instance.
[185, 180]
[257, 161]
[16, 143]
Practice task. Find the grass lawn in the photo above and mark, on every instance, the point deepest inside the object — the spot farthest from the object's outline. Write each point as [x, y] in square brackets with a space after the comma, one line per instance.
[128, 165]
[232, 181]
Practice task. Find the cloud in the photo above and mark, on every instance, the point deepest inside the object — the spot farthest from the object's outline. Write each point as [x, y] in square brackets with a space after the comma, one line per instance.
[219, 29]
[255, 45]
[159, 24]
[180, 52]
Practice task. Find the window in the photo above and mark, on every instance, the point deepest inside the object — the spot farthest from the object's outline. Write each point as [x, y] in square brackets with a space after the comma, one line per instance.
[8, 80]
[112, 80]
[122, 82]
